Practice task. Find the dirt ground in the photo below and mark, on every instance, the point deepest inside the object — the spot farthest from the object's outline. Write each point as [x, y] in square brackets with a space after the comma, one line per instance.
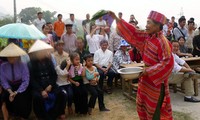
[121, 108]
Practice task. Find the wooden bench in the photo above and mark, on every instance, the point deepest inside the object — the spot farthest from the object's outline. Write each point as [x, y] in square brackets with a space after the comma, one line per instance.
[128, 87]
[134, 86]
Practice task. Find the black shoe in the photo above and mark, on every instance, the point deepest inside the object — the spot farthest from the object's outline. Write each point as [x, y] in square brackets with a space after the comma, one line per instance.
[192, 99]
[108, 91]
[104, 109]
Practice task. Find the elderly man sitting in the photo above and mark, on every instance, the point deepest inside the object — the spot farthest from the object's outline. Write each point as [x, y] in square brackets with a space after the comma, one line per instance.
[103, 59]
[181, 66]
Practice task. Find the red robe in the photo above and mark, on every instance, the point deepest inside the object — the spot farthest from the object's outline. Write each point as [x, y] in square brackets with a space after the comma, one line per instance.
[156, 54]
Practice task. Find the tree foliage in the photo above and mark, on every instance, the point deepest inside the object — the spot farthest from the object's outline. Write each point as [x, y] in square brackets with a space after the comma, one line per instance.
[6, 20]
[28, 15]
[49, 16]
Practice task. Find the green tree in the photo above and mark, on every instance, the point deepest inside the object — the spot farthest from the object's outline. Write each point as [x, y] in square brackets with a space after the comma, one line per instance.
[6, 20]
[28, 15]
[49, 16]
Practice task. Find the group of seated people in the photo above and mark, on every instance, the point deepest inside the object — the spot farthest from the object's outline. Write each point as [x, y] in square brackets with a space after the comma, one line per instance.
[51, 79]
[47, 82]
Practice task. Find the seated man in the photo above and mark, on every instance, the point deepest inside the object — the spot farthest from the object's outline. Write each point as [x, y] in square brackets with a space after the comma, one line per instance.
[181, 66]
[103, 59]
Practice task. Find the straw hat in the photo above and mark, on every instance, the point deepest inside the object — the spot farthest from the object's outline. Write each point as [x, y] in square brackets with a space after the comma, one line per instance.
[40, 45]
[12, 50]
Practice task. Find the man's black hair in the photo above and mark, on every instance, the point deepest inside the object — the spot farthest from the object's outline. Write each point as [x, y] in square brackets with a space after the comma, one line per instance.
[59, 15]
[39, 13]
[181, 19]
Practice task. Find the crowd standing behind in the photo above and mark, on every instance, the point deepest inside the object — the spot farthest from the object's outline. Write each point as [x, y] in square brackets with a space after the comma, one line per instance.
[171, 29]
[68, 74]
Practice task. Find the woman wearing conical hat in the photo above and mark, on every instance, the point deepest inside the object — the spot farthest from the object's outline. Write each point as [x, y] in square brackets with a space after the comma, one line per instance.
[48, 100]
[15, 82]
[153, 99]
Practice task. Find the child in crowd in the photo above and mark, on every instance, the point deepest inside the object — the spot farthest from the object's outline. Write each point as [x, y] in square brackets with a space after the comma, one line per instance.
[76, 78]
[92, 75]
[62, 66]
[64, 84]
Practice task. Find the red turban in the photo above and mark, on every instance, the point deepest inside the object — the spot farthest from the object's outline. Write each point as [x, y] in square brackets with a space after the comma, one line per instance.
[158, 17]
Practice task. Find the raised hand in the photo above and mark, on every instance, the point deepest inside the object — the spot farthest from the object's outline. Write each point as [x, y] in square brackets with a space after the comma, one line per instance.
[112, 14]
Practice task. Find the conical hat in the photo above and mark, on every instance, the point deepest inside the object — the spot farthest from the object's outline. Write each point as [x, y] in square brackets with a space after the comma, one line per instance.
[39, 45]
[12, 50]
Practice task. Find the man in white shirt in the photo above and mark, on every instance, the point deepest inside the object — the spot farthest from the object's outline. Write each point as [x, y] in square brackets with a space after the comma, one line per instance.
[103, 59]
[100, 23]
[74, 23]
[39, 22]
[181, 66]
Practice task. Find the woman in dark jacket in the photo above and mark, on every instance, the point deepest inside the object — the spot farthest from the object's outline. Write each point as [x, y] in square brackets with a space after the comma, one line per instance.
[48, 99]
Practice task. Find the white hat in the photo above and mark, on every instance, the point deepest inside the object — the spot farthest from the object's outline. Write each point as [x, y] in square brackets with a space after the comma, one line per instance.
[68, 23]
[12, 50]
[40, 45]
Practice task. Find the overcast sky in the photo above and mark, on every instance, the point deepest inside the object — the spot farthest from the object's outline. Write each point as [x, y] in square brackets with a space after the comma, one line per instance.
[140, 8]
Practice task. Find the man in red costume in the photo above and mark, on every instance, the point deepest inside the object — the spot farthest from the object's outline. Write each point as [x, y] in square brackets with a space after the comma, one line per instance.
[153, 99]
